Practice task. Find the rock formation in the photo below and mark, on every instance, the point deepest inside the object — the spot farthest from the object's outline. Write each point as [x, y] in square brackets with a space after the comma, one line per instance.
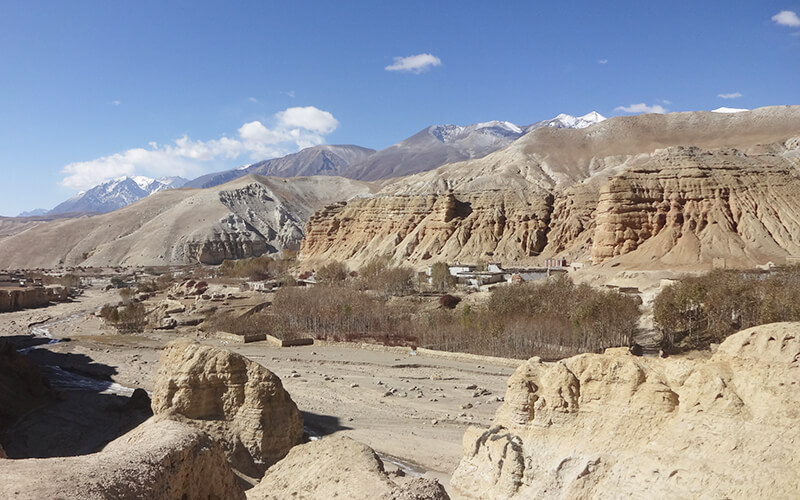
[237, 401]
[158, 459]
[13, 299]
[337, 467]
[597, 193]
[614, 425]
[687, 205]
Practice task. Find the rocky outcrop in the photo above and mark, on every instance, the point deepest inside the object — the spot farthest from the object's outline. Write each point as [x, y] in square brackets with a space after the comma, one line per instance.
[14, 299]
[342, 468]
[158, 459]
[591, 195]
[614, 425]
[237, 401]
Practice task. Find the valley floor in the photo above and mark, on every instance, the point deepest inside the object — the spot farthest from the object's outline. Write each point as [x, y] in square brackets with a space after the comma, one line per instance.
[412, 409]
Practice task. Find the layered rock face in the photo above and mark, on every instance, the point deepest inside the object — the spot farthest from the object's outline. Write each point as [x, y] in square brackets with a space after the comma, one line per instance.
[338, 467]
[237, 401]
[596, 193]
[158, 459]
[416, 228]
[687, 205]
[614, 425]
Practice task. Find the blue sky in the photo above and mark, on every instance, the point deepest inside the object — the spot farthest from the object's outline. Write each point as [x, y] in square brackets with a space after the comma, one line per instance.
[94, 89]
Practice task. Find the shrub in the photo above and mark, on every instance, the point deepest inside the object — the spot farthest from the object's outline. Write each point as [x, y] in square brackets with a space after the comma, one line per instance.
[449, 301]
[331, 273]
[380, 276]
[130, 318]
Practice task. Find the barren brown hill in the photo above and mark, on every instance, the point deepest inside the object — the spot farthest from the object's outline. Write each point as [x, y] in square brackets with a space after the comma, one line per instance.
[681, 188]
[250, 216]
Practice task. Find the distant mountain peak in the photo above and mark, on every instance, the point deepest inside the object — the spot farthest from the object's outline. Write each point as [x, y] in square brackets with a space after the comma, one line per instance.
[568, 121]
[116, 193]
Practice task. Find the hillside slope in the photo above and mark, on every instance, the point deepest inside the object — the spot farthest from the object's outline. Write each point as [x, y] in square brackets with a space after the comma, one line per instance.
[247, 217]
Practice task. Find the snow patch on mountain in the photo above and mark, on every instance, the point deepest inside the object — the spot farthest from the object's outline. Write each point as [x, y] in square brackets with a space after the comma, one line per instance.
[728, 110]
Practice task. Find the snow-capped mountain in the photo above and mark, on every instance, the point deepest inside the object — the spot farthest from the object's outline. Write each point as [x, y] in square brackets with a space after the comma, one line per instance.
[569, 121]
[451, 134]
[441, 144]
[116, 193]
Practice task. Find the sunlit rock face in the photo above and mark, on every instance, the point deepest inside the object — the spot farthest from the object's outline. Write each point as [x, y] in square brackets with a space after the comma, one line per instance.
[615, 425]
[237, 401]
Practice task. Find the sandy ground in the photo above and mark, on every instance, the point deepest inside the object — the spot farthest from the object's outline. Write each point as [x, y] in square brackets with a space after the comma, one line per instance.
[412, 409]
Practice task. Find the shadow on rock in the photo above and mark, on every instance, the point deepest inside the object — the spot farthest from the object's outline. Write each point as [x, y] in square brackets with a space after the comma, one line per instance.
[316, 425]
[61, 404]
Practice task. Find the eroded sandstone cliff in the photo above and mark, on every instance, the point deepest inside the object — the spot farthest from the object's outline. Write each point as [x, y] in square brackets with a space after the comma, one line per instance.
[614, 425]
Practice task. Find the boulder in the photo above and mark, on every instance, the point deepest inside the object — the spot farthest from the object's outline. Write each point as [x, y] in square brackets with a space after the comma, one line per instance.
[158, 459]
[419, 488]
[332, 467]
[237, 401]
[614, 425]
[167, 323]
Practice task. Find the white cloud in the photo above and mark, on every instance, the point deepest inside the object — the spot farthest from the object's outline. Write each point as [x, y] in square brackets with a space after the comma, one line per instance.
[641, 108]
[415, 64]
[787, 18]
[116, 102]
[732, 95]
[295, 128]
[252, 99]
[309, 118]
[602, 61]
[665, 102]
